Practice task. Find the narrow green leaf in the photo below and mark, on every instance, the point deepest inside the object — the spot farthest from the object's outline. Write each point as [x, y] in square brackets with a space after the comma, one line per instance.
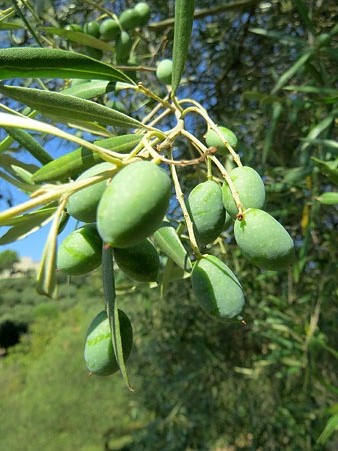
[11, 120]
[25, 175]
[281, 37]
[319, 128]
[170, 244]
[328, 198]
[184, 17]
[330, 427]
[46, 279]
[89, 89]
[73, 163]
[323, 142]
[27, 62]
[30, 144]
[312, 90]
[292, 70]
[68, 107]
[112, 309]
[24, 225]
[79, 38]
[10, 26]
[328, 168]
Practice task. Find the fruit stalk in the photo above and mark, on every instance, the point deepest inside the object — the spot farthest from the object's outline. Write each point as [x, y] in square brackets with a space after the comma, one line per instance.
[180, 198]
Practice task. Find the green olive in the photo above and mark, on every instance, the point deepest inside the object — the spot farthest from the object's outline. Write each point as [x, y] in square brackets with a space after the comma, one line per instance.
[80, 252]
[217, 289]
[98, 351]
[263, 240]
[164, 71]
[134, 204]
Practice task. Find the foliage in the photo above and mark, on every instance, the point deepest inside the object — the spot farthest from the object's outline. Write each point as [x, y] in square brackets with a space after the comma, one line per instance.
[7, 259]
[266, 71]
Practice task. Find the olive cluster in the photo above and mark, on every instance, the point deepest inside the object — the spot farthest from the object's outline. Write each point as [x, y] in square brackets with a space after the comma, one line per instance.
[126, 212]
[115, 29]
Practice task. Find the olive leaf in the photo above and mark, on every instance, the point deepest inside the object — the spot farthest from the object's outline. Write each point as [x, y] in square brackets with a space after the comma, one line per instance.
[89, 90]
[69, 108]
[46, 278]
[170, 244]
[30, 144]
[73, 163]
[112, 309]
[330, 198]
[184, 17]
[24, 225]
[28, 62]
[79, 37]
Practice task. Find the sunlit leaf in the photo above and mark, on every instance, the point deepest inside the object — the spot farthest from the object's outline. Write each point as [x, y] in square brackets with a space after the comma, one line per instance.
[73, 163]
[24, 225]
[29, 62]
[184, 17]
[69, 107]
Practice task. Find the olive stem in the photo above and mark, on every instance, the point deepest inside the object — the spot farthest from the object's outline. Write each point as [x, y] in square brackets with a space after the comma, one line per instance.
[214, 127]
[232, 187]
[190, 227]
[141, 88]
[51, 192]
[222, 170]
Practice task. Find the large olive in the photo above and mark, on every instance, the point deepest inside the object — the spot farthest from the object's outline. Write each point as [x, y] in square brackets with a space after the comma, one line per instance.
[80, 252]
[217, 289]
[213, 140]
[263, 240]
[134, 204]
[82, 205]
[249, 186]
[207, 212]
[140, 262]
[98, 351]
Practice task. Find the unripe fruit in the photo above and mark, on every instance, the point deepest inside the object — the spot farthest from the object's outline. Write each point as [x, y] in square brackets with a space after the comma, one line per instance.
[74, 27]
[164, 71]
[82, 205]
[144, 11]
[123, 47]
[249, 186]
[134, 204]
[80, 252]
[109, 29]
[213, 140]
[98, 351]
[140, 262]
[217, 289]
[130, 19]
[206, 211]
[263, 240]
[92, 28]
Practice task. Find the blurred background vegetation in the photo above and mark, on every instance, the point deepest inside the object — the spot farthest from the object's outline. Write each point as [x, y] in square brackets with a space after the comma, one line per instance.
[268, 71]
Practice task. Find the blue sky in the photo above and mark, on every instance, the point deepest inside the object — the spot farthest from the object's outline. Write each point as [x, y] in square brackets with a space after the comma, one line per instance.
[32, 246]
